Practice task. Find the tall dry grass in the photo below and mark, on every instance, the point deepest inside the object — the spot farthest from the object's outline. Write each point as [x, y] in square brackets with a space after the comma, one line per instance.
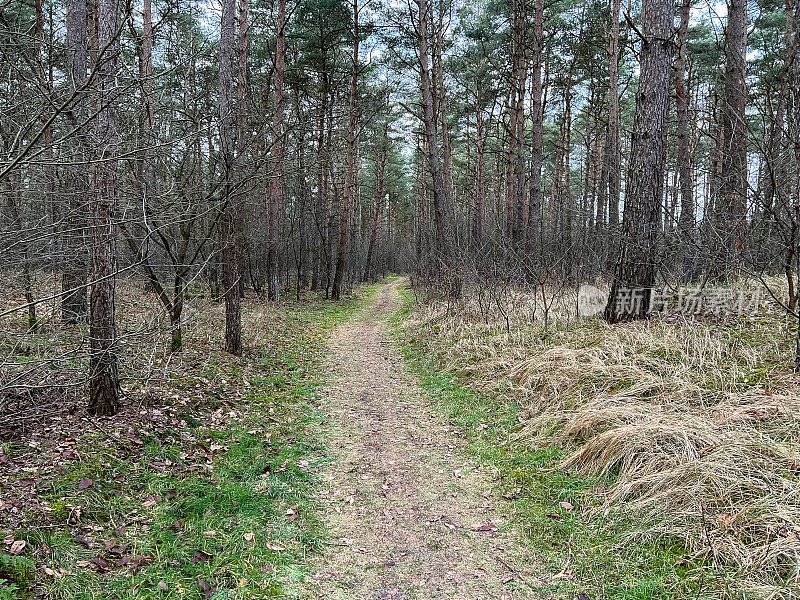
[694, 422]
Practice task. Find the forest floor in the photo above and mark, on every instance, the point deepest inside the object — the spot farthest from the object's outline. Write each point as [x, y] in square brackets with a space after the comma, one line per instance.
[384, 448]
[410, 514]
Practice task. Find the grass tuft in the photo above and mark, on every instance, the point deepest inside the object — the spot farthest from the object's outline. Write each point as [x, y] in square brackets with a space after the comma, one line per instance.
[679, 437]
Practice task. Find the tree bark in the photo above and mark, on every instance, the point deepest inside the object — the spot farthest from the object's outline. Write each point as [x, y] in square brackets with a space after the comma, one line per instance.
[350, 169]
[686, 220]
[276, 200]
[74, 305]
[537, 143]
[230, 262]
[731, 201]
[377, 219]
[104, 389]
[635, 271]
[442, 202]
[609, 185]
[242, 140]
[479, 209]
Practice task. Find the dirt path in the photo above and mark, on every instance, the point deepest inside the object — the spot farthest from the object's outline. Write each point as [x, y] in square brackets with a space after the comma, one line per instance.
[412, 517]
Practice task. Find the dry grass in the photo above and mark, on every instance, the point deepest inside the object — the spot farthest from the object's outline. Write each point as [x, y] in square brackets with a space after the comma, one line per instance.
[695, 424]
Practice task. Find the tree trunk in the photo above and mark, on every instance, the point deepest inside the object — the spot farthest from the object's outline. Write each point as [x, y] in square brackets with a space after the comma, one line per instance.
[793, 50]
[442, 202]
[537, 143]
[74, 306]
[350, 169]
[609, 185]
[230, 262]
[686, 222]
[635, 271]
[242, 140]
[479, 209]
[276, 200]
[377, 219]
[731, 201]
[103, 368]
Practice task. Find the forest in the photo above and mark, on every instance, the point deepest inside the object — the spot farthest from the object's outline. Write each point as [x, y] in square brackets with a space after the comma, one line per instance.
[381, 299]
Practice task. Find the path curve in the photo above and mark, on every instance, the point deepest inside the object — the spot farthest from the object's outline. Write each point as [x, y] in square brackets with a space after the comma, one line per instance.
[411, 517]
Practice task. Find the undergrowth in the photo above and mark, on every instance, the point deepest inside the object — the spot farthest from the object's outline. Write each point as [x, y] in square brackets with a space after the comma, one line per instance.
[205, 492]
[593, 435]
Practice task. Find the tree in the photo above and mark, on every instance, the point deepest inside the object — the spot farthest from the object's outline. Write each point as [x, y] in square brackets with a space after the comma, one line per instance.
[104, 389]
[442, 202]
[74, 306]
[684, 159]
[276, 201]
[380, 187]
[533, 230]
[635, 270]
[230, 262]
[350, 169]
[730, 205]
[609, 182]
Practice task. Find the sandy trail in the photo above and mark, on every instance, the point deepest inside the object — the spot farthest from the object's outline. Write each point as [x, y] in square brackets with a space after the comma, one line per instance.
[411, 516]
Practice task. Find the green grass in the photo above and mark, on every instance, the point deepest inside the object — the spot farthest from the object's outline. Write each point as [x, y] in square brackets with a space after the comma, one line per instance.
[222, 497]
[603, 561]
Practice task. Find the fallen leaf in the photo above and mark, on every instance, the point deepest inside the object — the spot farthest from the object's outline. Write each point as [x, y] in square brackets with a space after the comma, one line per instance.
[17, 547]
[208, 590]
[275, 547]
[85, 483]
[200, 555]
[249, 537]
[123, 561]
[567, 506]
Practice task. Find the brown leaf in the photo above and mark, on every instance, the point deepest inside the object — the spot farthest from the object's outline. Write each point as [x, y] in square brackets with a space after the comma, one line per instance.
[17, 547]
[200, 555]
[101, 563]
[554, 516]
[123, 561]
[249, 537]
[567, 506]
[85, 483]
[140, 560]
[208, 590]
[275, 547]
[118, 550]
